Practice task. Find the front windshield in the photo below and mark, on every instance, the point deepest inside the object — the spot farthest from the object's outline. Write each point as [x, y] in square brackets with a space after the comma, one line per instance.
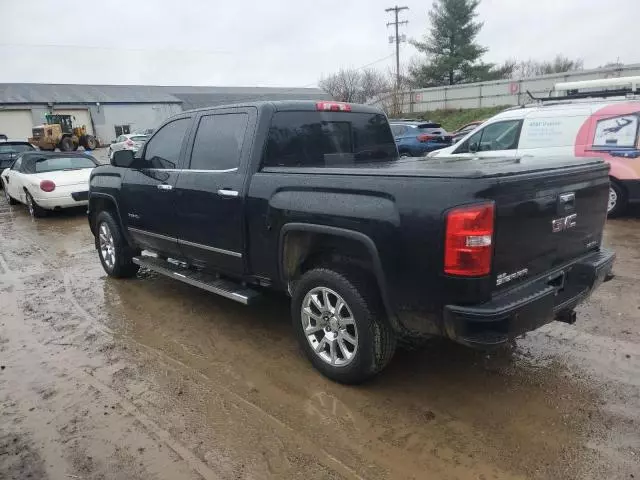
[43, 165]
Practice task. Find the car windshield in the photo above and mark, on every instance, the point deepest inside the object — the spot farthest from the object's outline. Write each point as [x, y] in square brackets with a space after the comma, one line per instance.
[62, 163]
[15, 147]
[318, 139]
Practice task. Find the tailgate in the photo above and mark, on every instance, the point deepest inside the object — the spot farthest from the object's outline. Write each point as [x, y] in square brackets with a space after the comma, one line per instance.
[546, 220]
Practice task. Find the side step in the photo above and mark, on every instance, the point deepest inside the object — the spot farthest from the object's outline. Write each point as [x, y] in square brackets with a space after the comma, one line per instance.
[211, 283]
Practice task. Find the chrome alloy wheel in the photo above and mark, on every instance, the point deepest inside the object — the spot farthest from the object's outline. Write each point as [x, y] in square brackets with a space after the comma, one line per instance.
[613, 199]
[329, 326]
[107, 246]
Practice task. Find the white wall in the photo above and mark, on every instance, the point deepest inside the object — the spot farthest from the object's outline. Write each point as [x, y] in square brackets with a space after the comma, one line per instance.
[496, 93]
[139, 116]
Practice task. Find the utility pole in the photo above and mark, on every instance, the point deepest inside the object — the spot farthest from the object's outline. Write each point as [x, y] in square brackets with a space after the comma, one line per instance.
[396, 10]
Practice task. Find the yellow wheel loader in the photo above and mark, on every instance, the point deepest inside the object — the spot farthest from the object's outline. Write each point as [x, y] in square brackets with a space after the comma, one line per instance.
[59, 132]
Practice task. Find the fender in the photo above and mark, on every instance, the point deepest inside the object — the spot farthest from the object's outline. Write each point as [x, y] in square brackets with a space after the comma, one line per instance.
[113, 200]
[353, 235]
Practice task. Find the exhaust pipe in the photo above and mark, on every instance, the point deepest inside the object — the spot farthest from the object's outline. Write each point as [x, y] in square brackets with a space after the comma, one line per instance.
[567, 316]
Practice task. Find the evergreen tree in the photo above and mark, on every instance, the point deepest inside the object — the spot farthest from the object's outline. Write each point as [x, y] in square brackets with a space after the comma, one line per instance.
[453, 56]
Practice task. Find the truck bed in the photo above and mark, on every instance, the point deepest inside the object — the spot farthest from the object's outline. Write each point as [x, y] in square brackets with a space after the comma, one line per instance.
[452, 167]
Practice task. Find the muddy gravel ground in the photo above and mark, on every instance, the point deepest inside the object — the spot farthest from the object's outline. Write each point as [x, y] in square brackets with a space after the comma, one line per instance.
[152, 379]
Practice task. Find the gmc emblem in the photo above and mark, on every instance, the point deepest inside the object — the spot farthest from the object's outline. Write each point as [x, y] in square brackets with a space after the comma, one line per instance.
[564, 223]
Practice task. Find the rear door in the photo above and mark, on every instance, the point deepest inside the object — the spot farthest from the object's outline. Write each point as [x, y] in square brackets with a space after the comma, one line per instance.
[148, 194]
[209, 192]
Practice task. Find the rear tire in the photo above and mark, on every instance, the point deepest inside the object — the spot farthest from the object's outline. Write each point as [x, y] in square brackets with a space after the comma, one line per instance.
[114, 252]
[355, 341]
[8, 197]
[35, 210]
[90, 142]
[66, 144]
[617, 199]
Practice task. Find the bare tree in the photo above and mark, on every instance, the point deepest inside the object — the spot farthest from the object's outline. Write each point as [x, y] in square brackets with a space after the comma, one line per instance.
[535, 68]
[352, 85]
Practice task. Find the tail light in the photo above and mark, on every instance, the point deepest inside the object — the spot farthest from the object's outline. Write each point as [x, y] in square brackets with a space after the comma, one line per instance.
[425, 137]
[129, 143]
[47, 186]
[469, 240]
[333, 107]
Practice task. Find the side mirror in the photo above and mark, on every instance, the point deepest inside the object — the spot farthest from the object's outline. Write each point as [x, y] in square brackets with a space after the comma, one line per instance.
[122, 158]
[473, 147]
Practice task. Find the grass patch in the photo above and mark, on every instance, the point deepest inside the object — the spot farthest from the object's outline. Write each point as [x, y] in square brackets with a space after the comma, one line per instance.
[456, 118]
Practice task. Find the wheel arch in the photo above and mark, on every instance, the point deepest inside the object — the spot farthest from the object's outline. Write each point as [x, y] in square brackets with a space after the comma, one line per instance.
[99, 202]
[302, 245]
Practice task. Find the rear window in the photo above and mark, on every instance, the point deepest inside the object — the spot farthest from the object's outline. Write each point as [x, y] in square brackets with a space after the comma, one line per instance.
[15, 147]
[432, 130]
[332, 139]
[42, 165]
[139, 138]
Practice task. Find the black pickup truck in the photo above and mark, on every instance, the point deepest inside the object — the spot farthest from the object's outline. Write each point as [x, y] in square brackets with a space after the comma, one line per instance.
[312, 200]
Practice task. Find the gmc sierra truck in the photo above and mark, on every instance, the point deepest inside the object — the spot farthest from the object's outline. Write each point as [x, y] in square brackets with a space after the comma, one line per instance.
[311, 199]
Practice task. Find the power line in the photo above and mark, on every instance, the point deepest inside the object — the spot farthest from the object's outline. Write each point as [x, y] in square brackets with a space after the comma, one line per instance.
[396, 10]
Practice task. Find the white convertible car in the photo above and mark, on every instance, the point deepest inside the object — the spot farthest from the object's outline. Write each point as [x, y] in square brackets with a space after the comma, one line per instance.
[48, 181]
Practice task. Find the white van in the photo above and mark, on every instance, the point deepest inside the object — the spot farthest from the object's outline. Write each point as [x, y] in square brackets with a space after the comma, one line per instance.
[595, 118]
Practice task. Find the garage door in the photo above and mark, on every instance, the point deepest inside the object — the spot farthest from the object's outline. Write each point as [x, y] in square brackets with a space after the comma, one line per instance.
[82, 117]
[16, 124]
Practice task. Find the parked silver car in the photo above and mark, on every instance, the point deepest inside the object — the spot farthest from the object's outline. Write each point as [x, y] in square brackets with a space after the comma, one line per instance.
[133, 142]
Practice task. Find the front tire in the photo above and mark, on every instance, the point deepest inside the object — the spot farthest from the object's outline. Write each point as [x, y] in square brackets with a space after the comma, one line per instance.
[115, 255]
[35, 210]
[617, 199]
[66, 144]
[339, 322]
[8, 197]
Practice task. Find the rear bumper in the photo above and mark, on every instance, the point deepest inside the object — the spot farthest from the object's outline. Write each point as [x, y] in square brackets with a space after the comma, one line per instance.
[420, 149]
[529, 306]
[66, 201]
[633, 190]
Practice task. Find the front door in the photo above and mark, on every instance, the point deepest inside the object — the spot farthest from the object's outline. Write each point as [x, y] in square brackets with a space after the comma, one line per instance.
[148, 189]
[13, 183]
[497, 139]
[209, 192]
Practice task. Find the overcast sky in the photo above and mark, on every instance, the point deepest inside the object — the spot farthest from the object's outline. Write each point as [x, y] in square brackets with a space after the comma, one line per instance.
[289, 43]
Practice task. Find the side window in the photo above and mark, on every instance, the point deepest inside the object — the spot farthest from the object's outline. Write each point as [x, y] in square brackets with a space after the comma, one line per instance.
[495, 136]
[163, 150]
[17, 164]
[218, 142]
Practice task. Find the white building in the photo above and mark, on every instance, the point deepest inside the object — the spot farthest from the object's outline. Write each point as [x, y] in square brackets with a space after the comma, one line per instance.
[109, 110]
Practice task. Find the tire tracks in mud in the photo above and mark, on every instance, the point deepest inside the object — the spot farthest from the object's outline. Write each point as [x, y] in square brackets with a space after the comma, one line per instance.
[187, 455]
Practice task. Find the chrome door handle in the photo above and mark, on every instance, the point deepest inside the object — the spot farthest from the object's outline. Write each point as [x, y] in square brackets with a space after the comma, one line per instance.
[225, 192]
[164, 186]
